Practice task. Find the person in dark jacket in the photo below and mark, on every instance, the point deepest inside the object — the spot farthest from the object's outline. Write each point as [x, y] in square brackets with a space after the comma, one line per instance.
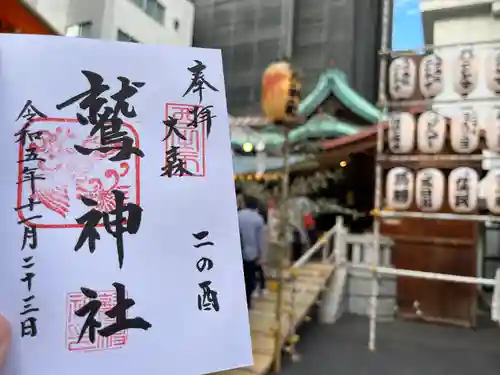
[262, 210]
[252, 232]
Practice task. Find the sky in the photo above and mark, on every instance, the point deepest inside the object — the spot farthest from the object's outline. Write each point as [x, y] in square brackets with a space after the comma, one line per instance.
[407, 31]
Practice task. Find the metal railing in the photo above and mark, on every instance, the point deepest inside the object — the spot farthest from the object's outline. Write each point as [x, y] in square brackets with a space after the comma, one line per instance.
[322, 245]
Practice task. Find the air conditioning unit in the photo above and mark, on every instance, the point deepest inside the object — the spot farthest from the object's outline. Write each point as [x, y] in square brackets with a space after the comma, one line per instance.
[495, 9]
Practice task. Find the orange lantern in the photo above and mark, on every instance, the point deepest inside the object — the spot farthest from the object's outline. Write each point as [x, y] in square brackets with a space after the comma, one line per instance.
[280, 92]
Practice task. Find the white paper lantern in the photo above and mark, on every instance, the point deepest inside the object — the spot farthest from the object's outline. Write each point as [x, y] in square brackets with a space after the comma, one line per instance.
[463, 189]
[431, 76]
[466, 72]
[399, 188]
[491, 190]
[402, 77]
[492, 128]
[492, 71]
[429, 186]
[431, 132]
[401, 134]
[465, 131]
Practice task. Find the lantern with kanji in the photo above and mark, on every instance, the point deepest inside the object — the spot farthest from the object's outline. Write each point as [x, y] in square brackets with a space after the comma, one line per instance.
[401, 134]
[491, 189]
[464, 132]
[492, 129]
[431, 132]
[399, 188]
[281, 88]
[429, 186]
[402, 77]
[466, 72]
[463, 186]
[493, 71]
[431, 76]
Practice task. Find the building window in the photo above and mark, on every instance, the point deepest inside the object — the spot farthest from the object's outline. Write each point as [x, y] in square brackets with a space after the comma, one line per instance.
[152, 8]
[176, 24]
[122, 36]
[83, 30]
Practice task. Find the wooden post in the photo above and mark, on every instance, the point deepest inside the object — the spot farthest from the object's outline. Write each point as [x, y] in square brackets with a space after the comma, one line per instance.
[284, 248]
[340, 245]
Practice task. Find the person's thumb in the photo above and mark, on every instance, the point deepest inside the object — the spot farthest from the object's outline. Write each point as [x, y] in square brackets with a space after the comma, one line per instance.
[5, 338]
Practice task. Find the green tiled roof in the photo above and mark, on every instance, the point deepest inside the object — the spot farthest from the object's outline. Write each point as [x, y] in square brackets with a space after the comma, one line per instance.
[334, 81]
[322, 126]
[319, 126]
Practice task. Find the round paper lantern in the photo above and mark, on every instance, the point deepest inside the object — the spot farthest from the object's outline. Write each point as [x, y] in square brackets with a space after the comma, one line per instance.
[464, 132]
[463, 189]
[493, 71]
[431, 132]
[493, 130]
[402, 77]
[401, 134]
[431, 76]
[280, 92]
[429, 186]
[491, 186]
[466, 72]
[399, 188]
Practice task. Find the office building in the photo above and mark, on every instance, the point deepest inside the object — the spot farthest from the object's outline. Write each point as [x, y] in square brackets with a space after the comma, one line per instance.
[460, 21]
[144, 21]
[313, 33]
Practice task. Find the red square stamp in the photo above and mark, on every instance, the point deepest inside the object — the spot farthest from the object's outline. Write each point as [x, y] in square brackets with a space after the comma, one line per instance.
[192, 148]
[62, 175]
[74, 324]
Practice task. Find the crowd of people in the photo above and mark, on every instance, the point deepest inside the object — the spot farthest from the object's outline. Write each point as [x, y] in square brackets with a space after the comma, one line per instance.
[253, 220]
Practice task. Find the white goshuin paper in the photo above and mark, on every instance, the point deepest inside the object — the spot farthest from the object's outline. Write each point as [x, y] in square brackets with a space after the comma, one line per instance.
[159, 270]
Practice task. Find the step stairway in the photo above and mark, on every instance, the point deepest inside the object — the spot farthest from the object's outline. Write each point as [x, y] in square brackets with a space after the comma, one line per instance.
[310, 281]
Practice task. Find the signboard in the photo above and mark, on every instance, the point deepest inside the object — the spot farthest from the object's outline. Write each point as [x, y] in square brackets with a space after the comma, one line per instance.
[121, 250]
